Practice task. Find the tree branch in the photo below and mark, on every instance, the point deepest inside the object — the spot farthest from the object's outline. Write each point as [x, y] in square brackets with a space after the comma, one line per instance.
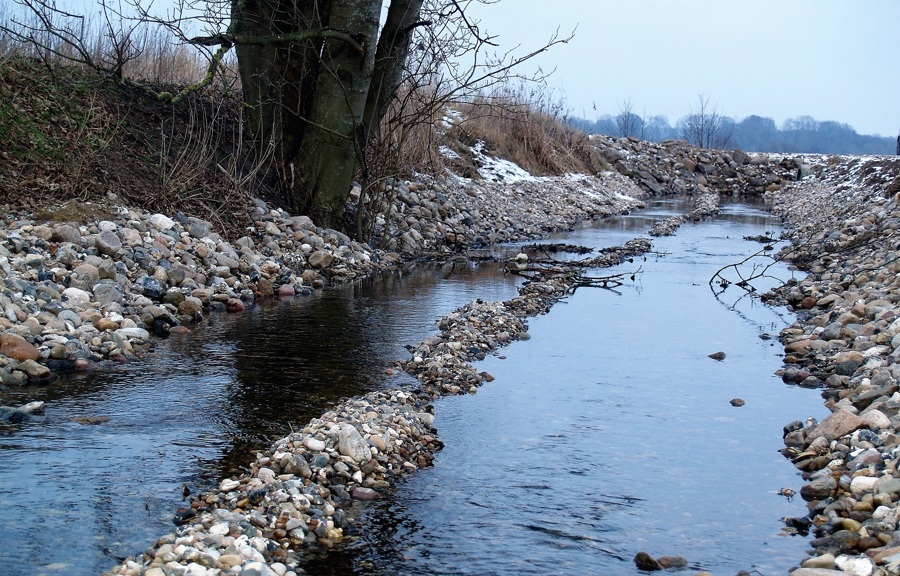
[229, 39]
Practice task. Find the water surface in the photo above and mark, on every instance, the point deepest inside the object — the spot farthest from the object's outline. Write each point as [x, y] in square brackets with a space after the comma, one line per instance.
[611, 432]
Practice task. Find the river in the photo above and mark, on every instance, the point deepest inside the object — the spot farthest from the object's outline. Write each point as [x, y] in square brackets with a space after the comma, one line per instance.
[609, 432]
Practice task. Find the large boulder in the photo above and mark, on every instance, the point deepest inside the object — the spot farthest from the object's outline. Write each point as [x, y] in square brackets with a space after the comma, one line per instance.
[352, 444]
[838, 424]
[15, 347]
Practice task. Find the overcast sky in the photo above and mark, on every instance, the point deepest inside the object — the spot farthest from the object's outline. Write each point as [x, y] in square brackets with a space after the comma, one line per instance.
[829, 59]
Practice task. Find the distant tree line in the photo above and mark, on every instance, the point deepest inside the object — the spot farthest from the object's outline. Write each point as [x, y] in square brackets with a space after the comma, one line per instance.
[705, 126]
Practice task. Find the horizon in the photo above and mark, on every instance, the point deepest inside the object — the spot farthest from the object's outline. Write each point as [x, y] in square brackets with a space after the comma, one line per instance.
[827, 59]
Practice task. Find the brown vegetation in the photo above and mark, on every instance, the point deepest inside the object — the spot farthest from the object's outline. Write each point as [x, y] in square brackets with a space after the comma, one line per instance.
[525, 125]
[71, 135]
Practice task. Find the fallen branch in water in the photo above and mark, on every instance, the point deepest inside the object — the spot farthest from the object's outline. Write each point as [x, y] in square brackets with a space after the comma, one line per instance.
[757, 271]
[575, 279]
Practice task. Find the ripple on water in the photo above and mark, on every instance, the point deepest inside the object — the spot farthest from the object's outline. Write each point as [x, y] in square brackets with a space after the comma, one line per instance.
[610, 432]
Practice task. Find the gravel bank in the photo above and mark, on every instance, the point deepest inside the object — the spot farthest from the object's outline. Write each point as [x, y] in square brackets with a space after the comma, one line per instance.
[74, 296]
[845, 229]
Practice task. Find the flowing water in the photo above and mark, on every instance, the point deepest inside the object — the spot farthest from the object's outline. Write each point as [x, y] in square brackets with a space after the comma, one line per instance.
[609, 432]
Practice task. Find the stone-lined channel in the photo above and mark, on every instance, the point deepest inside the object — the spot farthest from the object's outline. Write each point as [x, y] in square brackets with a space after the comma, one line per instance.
[617, 426]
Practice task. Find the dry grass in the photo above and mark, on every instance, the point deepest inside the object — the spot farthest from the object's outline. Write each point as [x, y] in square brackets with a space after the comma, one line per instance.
[71, 135]
[525, 125]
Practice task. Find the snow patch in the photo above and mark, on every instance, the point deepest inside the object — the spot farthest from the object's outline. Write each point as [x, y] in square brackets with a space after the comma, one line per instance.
[451, 118]
[497, 169]
[448, 153]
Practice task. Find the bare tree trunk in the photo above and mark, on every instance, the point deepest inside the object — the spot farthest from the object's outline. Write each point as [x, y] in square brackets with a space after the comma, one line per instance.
[315, 98]
[393, 49]
[277, 77]
[332, 147]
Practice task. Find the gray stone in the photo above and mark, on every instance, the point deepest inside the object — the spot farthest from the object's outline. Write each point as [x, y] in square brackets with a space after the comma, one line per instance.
[818, 489]
[131, 237]
[108, 292]
[302, 223]
[66, 233]
[34, 371]
[107, 270]
[108, 243]
[887, 486]
[86, 275]
[352, 444]
[298, 466]
[197, 228]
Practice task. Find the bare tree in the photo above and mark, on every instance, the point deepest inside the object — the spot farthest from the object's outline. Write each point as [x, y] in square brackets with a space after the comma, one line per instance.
[705, 126]
[318, 77]
[627, 122]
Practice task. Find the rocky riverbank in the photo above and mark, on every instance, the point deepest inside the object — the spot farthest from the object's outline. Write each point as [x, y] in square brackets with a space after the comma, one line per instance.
[846, 342]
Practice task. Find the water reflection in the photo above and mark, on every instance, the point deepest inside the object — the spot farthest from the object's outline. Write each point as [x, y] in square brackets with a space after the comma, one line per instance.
[608, 433]
[79, 497]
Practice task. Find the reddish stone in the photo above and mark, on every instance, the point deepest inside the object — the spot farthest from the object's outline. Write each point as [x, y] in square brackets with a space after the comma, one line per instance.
[286, 290]
[234, 305]
[15, 347]
[84, 365]
[361, 493]
[265, 288]
[836, 425]
[179, 330]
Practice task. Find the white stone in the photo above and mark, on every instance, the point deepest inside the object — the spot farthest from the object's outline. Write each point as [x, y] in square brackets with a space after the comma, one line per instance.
[314, 444]
[228, 485]
[250, 553]
[267, 475]
[135, 332]
[76, 297]
[162, 222]
[876, 420]
[352, 444]
[261, 568]
[881, 512]
[195, 569]
[862, 485]
[35, 407]
[856, 565]
[219, 529]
